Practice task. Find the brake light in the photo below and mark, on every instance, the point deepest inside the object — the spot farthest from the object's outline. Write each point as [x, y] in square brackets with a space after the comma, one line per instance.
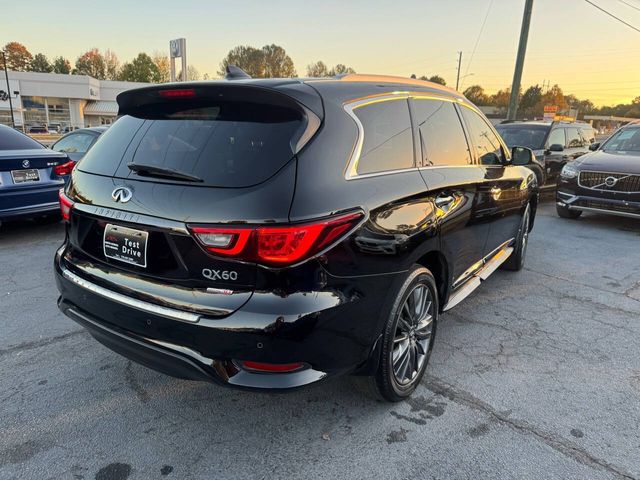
[64, 169]
[272, 367]
[277, 245]
[178, 93]
[65, 205]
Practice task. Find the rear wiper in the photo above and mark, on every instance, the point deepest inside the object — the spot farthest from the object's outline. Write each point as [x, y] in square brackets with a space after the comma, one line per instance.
[155, 171]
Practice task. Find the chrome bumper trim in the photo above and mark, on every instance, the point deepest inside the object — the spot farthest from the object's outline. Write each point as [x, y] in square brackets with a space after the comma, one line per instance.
[602, 210]
[130, 302]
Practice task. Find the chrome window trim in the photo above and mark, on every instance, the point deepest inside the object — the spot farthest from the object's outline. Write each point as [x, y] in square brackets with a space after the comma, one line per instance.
[351, 171]
[131, 302]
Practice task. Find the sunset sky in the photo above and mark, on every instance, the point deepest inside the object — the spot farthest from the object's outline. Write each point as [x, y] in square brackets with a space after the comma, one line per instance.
[571, 43]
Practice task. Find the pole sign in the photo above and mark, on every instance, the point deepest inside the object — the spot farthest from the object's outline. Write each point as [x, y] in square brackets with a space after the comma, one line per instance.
[178, 49]
[550, 112]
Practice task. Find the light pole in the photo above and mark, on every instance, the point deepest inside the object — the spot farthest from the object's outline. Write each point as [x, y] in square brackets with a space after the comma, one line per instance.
[6, 76]
[522, 48]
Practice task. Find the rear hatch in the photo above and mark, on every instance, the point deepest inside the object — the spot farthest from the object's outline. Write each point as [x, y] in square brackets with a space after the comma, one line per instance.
[193, 156]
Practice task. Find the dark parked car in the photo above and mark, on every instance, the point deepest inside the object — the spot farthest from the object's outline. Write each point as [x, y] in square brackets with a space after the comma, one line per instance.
[606, 180]
[77, 143]
[268, 234]
[553, 143]
[30, 176]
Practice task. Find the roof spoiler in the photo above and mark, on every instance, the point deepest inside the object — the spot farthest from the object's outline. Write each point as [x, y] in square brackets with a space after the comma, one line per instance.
[235, 73]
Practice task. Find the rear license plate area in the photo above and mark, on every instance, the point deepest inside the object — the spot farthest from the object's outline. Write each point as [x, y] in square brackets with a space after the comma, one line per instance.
[125, 244]
[25, 176]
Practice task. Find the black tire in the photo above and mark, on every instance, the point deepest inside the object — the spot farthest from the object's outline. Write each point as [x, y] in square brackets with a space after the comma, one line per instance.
[539, 173]
[388, 386]
[515, 262]
[564, 212]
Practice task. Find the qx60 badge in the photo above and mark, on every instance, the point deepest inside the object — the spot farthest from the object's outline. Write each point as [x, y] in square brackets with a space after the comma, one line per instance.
[122, 194]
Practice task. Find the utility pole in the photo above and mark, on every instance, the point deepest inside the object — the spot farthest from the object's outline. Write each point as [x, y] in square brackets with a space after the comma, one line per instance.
[6, 76]
[459, 63]
[522, 48]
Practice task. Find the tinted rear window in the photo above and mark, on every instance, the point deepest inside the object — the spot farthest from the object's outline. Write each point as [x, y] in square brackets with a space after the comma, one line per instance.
[226, 144]
[13, 140]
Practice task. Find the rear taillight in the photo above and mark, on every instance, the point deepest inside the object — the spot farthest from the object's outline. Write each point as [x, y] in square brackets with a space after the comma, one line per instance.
[278, 245]
[65, 205]
[271, 367]
[64, 169]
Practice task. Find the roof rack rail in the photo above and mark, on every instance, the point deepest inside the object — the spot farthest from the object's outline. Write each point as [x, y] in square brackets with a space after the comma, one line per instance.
[235, 73]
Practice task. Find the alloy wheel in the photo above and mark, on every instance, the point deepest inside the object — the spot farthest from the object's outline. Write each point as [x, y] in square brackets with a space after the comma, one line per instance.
[412, 338]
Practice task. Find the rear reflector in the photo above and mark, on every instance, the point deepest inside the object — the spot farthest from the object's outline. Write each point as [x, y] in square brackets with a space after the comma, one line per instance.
[277, 245]
[65, 205]
[65, 168]
[272, 367]
[178, 93]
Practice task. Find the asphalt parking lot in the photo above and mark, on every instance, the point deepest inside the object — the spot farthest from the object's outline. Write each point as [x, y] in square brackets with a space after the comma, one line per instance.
[536, 375]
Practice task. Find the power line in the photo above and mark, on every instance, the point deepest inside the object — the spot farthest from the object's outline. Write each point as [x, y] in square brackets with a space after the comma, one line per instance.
[629, 5]
[473, 52]
[612, 15]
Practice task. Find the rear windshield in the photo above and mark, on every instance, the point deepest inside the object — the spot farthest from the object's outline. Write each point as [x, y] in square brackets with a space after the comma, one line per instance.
[13, 140]
[226, 144]
[524, 136]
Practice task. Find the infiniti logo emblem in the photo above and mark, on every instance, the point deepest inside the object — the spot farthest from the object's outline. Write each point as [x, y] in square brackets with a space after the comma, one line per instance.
[122, 194]
[26, 163]
[610, 181]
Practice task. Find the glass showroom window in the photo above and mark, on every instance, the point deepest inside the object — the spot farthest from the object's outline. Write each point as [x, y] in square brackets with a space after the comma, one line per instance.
[35, 112]
[59, 112]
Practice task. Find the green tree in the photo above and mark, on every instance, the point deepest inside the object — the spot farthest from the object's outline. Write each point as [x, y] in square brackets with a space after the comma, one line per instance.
[17, 56]
[91, 63]
[141, 69]
[317, 69]
[554, 96]
[340, 69]
[530, 102]
[112, 65]
[476, 95]
[40, 63]
[61, 65]
[437, 79]
[249, 59]
[268, 62]
[277, 64]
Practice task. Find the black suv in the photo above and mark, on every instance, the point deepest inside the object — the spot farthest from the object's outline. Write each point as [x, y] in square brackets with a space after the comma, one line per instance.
[553, 143]
[268, 234]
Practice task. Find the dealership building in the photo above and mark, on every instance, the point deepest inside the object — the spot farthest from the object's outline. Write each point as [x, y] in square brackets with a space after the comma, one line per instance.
[59, 101]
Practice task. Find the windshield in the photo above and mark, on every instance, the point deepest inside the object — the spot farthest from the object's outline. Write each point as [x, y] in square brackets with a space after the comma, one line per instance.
[523, 136]
[625, 140]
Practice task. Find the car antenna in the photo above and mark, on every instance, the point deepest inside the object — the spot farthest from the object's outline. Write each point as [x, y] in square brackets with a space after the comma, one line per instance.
[235, 73]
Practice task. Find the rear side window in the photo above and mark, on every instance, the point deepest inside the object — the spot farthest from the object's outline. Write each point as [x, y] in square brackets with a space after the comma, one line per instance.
[74, 143]
[441, 134]
[13, 140]
[588, 135]
[488, 147]
[388, 139]
[556, 137]
[573, 138]
[231, 144]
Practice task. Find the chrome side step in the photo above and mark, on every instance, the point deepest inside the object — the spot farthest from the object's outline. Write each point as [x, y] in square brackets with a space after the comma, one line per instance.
[481, 275]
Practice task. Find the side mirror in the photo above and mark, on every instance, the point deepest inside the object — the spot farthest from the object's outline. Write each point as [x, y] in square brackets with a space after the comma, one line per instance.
[522, 156]
[556, 147]
[594, 146]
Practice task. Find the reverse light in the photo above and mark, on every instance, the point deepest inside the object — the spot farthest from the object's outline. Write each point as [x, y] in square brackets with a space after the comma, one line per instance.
[178, 93]
[569, 171]
[280, 245]
[272, 367]
[64, 169]
[65, 205]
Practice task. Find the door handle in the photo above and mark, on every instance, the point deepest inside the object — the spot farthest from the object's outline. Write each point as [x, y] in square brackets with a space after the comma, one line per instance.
[444, 201]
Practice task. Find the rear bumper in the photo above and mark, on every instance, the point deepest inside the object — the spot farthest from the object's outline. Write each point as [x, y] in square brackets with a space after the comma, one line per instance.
[612, 206]
[29, 210]
[332, 332]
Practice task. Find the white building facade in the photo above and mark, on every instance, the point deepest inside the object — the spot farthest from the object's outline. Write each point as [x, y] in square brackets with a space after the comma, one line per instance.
[60, 101]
